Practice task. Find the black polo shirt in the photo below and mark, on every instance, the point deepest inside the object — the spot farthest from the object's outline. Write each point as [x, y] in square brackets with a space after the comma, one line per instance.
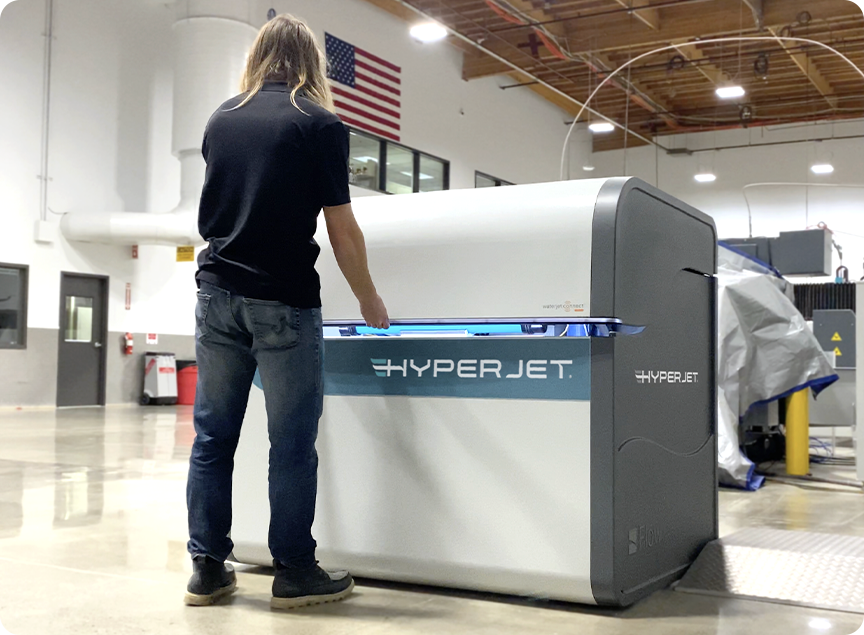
[270, 170]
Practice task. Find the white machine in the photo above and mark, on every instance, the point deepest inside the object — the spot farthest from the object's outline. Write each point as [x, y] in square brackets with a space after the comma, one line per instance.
[540, 420]
[160, 379]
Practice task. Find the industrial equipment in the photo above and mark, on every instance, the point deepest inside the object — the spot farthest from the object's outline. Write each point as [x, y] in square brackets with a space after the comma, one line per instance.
[160, 379]
[796, 253]
[540, 420]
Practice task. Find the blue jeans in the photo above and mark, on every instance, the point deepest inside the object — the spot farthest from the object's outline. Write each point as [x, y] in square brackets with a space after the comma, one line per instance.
[234, 335]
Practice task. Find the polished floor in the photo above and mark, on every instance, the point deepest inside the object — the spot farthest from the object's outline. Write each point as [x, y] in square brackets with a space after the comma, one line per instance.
[92, 540]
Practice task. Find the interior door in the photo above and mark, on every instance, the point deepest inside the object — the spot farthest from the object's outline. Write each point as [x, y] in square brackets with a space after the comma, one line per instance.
[83, 331]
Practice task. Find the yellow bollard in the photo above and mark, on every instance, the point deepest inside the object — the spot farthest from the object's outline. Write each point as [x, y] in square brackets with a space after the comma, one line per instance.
[798, 433]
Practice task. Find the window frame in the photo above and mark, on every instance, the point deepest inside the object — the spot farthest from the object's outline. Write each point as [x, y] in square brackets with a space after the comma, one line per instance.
[498, 182]
[383, 143]
[25, 302]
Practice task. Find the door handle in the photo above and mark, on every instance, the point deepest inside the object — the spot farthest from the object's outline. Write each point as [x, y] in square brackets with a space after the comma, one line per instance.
[97, 344]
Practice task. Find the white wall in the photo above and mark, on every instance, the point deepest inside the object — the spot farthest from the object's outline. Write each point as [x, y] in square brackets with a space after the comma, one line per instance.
[775, 208]
[110, 141]
[109, 147]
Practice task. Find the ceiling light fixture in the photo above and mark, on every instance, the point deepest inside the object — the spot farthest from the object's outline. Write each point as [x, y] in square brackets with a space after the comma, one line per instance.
[705, 177]
[588, 168]
[428, 32]
[730, 92]
[821, 168]
[601, 127]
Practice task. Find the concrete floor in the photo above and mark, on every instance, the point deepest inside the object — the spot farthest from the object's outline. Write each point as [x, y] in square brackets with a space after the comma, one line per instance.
[93, 530]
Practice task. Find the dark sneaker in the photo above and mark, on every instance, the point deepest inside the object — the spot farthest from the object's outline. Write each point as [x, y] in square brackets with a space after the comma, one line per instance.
[210, 581]
[294, 588]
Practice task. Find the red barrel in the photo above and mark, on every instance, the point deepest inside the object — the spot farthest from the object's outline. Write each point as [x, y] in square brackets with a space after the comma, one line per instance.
[187, 379]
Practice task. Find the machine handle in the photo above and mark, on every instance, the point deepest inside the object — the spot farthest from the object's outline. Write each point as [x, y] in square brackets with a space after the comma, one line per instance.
[97, 344]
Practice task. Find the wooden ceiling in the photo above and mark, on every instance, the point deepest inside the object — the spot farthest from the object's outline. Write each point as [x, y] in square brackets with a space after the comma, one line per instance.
[564, 48]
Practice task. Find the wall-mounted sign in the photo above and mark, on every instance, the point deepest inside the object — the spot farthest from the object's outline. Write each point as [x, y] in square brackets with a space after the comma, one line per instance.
[186, 253]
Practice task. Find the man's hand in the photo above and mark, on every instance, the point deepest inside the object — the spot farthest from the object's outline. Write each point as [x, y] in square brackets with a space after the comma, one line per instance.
[349, 247]
[375, 313]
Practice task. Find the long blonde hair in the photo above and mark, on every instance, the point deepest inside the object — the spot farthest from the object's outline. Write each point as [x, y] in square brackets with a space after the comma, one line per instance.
[286, 50]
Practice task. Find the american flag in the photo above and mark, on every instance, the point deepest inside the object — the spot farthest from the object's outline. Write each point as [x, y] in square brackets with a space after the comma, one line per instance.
[366, 89]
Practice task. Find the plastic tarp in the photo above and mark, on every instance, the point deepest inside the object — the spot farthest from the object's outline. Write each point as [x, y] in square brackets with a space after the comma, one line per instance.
[766, 352]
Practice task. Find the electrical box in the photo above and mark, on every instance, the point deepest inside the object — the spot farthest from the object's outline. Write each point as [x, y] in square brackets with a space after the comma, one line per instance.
[835, 330]
[758, 247]
[802, 253]
[799, 253]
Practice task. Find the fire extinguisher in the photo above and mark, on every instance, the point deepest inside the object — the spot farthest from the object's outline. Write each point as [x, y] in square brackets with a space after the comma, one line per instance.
[129, 344]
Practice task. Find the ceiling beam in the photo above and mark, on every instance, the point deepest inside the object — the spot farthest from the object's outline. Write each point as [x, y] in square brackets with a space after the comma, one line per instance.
[477, 66]
[702, 63]
[643, 12]
[719, 18]
[395, 8]
[808, 67]
[600, 64]
[539, 15]
[638, 94]
[758, 9]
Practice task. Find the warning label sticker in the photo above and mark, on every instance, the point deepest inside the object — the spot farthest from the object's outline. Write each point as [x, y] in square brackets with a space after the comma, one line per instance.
[186, 253]
[836, 338]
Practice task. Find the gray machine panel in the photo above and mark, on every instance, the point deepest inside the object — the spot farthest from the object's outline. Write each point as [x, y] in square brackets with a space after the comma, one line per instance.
[653, 416]
[802, 253]
[835, 330]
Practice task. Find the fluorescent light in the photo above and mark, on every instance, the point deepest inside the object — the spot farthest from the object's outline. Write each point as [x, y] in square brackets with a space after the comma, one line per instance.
[601, 127]
[705, 177]
[730, 92]
[822, 168]
[428, 32]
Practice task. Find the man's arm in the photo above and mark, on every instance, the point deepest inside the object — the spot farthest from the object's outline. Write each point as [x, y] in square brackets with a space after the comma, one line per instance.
[349, 247]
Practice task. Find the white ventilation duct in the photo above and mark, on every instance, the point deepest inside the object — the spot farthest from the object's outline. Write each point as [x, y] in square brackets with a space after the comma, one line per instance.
[209, 54]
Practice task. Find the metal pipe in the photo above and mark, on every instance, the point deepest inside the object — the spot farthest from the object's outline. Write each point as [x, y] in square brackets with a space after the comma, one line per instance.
[209, 54]
[521, 70]
[774, 143]
[46, 108]
[518, 85]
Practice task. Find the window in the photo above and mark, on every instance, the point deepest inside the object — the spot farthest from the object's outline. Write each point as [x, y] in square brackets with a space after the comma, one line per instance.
[364, 159]
[400, 170]
[484, 180]
[433, 174]
[79, 319]
[13, 306]
[381, 165]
